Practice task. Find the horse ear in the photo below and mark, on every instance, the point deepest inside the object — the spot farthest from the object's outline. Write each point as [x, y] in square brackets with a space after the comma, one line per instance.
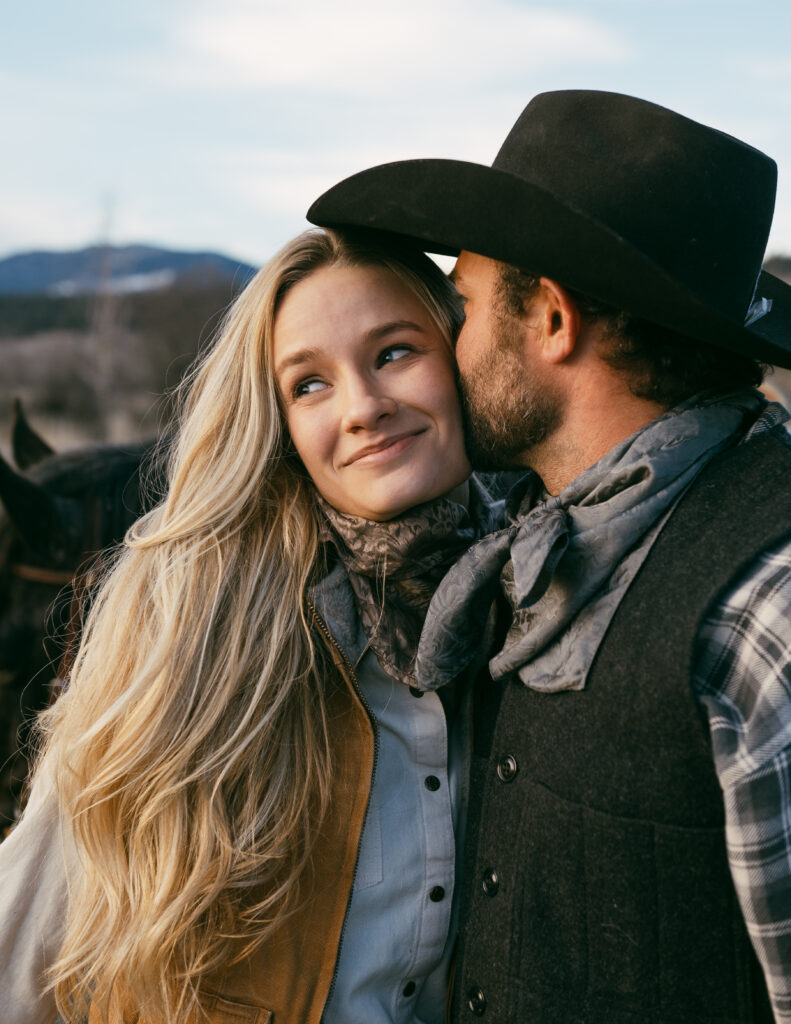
[53, 526]
[28, 446]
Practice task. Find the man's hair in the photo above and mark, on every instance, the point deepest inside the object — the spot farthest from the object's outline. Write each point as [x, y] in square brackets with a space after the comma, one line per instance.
[657, 364]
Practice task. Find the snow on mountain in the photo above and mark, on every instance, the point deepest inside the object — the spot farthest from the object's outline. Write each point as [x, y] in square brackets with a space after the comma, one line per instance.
[119, 269]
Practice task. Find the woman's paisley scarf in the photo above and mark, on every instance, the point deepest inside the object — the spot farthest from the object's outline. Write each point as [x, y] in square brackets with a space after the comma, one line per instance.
[564, 562]
[394, 568]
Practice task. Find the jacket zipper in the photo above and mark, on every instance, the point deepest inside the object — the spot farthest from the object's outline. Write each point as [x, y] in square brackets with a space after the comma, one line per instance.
[324, 629]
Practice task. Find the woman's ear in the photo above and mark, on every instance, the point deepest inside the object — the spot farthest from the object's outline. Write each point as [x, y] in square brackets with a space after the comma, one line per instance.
[557, 317]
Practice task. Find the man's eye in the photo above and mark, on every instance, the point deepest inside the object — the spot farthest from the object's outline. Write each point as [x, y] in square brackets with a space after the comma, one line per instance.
[393, 352]
[307, 387]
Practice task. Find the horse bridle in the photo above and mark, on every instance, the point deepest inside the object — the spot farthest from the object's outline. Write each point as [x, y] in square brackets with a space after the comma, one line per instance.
[36, 574]
[66, 577]
[61, 577]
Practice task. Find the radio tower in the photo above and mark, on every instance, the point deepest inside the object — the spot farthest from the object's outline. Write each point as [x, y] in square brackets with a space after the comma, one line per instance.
[104, 327]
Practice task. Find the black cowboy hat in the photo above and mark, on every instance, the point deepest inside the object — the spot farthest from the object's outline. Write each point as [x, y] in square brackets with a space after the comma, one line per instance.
[616, 197]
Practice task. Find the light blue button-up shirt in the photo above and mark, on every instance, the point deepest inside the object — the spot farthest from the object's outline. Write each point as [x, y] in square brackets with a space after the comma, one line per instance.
[397, 939]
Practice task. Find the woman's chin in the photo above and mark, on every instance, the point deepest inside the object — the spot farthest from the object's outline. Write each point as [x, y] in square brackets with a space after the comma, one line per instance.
[389, 504]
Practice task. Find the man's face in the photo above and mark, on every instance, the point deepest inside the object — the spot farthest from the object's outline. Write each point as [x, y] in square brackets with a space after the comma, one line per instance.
[508, 404]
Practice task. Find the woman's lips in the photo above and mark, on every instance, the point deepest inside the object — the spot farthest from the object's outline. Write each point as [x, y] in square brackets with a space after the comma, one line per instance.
[390, 448]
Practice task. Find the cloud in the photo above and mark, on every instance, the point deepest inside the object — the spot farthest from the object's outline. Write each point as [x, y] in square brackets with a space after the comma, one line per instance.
[384, 48]
[769, 69]
[290, 179]
[38, 219]
[286, 179]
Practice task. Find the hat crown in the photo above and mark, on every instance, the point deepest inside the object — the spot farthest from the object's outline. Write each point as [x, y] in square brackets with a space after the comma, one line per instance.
[620, 199]
[696, 201]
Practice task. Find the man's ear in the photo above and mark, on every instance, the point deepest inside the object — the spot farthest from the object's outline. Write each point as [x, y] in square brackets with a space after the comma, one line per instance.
[558, 319]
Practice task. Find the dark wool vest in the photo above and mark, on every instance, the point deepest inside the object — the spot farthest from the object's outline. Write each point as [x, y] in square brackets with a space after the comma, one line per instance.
[597, 888]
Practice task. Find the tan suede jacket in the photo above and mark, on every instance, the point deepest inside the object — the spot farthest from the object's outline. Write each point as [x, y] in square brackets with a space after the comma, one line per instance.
[287, 981]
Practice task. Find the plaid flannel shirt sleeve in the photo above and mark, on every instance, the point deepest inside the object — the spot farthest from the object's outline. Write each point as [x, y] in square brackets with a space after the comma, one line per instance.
[742, 677]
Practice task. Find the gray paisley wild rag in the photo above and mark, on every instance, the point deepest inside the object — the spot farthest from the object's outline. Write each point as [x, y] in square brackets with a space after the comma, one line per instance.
[564, 561]
[394, 568]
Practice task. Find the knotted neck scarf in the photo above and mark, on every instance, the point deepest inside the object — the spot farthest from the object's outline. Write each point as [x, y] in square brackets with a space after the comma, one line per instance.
[394, 568]
[564, 562]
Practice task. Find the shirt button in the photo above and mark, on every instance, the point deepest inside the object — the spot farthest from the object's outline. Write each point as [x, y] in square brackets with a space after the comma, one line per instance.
[409, 989]
[415, 692]
[432, 783]
[491, 882]
[507, 768]
[476, 1001]
[437, 894]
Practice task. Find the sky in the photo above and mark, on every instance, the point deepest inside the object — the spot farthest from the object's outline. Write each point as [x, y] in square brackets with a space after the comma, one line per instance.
[198, 125]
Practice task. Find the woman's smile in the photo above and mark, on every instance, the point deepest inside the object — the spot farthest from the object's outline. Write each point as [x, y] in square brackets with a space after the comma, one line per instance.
[376, 454]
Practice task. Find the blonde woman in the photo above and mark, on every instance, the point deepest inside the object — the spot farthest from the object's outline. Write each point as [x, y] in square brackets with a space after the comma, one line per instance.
[244, 811]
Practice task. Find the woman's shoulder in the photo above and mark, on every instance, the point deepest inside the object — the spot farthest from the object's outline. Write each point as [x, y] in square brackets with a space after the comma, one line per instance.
[33, 888]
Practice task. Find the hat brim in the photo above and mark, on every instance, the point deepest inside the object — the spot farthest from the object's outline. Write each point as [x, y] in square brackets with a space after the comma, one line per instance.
[444, 206]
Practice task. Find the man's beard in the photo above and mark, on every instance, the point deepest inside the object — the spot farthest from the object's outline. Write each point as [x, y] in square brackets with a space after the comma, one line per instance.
[507, 412]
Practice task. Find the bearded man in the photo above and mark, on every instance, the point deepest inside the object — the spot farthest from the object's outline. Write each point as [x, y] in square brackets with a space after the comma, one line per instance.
[629, 840]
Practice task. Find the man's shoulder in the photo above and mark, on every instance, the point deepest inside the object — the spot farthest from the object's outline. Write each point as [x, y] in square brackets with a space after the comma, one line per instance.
[731, 531]
[740, 502]
[769, 574]
[774, 430]
[752, 615]
[764, 450]
[742, 653]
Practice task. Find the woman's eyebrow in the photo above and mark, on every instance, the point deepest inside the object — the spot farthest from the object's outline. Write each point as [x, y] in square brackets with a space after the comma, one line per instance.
[306, 355]
[303, 355]
[377, 333]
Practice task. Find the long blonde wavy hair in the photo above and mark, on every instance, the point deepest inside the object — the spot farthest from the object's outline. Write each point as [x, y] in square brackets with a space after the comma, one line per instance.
[191, 747]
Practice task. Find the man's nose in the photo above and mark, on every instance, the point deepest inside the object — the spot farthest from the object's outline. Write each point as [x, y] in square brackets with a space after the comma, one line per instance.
[366, 405]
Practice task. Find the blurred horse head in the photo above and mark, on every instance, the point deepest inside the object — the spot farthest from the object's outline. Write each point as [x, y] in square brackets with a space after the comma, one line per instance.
[57, 512]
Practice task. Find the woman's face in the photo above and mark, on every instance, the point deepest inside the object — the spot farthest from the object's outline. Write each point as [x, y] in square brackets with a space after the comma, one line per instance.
[369, 392]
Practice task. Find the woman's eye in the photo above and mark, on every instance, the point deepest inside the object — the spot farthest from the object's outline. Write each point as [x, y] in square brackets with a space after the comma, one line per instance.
[389, 355]
[307, 387]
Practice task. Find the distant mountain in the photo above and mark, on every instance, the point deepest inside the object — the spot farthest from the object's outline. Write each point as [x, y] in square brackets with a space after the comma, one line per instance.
[125, 268]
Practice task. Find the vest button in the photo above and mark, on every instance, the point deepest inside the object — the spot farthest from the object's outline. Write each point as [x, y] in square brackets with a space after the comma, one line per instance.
[437, 894]
[409, 989]
[476, 1001]
[491, 882]
[415, 692]
[507, 768]
[432, 783]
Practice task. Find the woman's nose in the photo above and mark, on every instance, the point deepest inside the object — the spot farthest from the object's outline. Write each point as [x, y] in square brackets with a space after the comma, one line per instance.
[365, 406]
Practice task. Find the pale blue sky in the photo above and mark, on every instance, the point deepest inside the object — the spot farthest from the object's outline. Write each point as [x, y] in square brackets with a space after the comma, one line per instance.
[214, 125]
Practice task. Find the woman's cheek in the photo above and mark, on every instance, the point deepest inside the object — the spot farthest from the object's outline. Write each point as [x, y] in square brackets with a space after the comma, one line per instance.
[313, 436]
[296, 430]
